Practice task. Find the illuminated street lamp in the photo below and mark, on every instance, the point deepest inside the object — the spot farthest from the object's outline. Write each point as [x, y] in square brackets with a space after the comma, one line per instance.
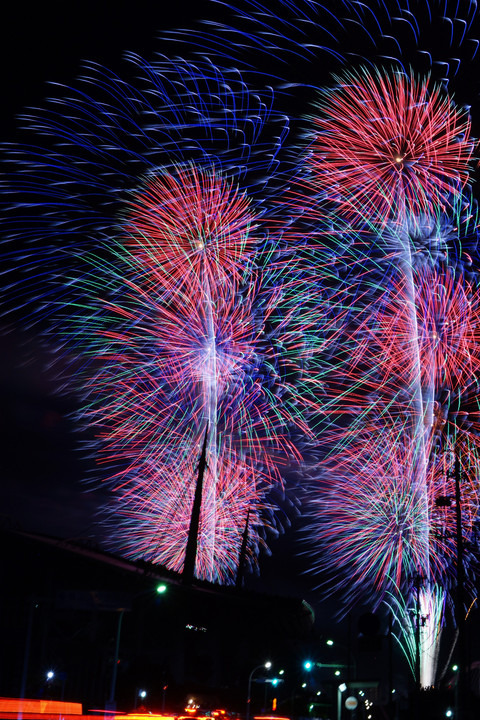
[49, 676]
[142, 694]
[161, 588]
[341, 689]
[267, 666]
[309, 665]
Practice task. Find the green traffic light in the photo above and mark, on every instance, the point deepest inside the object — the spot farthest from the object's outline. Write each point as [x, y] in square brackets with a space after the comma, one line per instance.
[307, 665]
[161, 588]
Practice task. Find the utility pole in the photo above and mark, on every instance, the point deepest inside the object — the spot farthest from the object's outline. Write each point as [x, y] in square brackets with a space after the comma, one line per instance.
[417, 636]
[461, 690]
[191, 549]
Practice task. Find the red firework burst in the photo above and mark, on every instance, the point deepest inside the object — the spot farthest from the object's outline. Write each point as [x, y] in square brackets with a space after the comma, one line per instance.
[388, 144]
[441, 317]
[191, 224]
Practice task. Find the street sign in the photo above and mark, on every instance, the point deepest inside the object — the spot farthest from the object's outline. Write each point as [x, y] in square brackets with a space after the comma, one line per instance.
[351, 703]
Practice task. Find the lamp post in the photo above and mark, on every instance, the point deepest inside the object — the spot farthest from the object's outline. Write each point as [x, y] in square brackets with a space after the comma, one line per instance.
[161, 588]
[341, 689]
[113, 685]
[309, 665]
[267, 665]
[461, 687]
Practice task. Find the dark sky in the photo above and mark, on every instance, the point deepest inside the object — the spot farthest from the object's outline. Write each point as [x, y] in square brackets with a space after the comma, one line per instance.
[47, 41]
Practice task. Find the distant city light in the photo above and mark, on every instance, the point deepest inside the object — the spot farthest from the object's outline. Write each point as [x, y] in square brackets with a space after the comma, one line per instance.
[329, 642]
[50, 674]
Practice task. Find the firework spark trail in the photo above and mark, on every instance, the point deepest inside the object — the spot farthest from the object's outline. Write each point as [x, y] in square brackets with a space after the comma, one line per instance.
[385, 381]
[385, 145]
[185, 350]
[430, 604]
[164, 542]
[402, 169]
[420, 339]
[162, 251]
[209, 225]
[381, 537]
[98, 141]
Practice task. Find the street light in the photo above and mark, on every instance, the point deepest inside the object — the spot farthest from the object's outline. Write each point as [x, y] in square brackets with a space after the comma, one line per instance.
[161, 588]
[308, 665]
[142, 694]
[267, 665]
[341, 689]
[49, 676]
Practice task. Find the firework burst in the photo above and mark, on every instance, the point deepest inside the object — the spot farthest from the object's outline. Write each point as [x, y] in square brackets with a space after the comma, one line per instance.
[388, 145]
[153, 272]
